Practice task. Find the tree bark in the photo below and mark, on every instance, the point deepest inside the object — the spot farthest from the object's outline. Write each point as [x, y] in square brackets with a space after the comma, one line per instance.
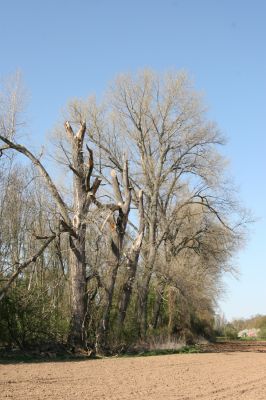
[81, 201]
[118, 227]
[77, 334]
[158, 306]
[131, 266]
[143, 304]
[114, 264]
[127, 289]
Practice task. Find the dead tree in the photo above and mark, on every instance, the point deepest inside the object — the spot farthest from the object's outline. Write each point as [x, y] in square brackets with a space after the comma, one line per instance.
[74, 221]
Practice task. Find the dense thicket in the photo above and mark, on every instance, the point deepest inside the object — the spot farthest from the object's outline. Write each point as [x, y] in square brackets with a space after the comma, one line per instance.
[132, 245]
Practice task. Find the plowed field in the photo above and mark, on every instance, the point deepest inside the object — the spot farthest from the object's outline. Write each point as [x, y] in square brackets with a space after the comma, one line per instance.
[233, 346]
[227, 375]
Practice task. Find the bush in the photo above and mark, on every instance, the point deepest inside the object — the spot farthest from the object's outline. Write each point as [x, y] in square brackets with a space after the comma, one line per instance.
[27, 319]
[230, 332]
[262, 333]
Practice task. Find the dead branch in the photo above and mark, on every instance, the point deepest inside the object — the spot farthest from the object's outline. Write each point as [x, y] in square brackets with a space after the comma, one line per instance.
[50, 184]
[24, 265]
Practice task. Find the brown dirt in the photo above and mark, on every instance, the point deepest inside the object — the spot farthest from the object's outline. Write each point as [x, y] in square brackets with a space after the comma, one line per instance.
[232, 346]
[183, 376]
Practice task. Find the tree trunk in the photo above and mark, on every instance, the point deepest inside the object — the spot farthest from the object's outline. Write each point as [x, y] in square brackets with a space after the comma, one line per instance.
[109, 301]
[116, 243]
[77, 334]
[118, 225]
[158, 306]
[143, 304]
[126, 295]
[127, 289]
[150, 260]
[82, 195]
[131, 266]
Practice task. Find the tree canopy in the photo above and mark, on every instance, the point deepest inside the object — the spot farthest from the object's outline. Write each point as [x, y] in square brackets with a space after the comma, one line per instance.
[135, 242]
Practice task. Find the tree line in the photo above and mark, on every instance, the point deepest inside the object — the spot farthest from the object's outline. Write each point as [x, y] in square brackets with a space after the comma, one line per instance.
[133, 240]
[231, 330]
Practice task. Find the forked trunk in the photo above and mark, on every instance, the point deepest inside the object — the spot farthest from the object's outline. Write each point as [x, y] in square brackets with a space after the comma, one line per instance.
[131, 266]
[118, 225]
[127, 289]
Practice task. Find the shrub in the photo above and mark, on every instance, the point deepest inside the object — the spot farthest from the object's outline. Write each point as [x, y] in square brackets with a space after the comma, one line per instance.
[28, 319]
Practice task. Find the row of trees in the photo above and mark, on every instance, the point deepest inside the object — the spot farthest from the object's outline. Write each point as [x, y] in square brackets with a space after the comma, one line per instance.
[231, 329]
[135, 241]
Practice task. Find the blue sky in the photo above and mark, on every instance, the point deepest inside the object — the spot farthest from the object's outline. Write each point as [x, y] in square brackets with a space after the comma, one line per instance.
[71, 48]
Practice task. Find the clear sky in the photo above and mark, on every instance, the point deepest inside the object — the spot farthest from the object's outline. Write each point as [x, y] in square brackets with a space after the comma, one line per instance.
[71, 48]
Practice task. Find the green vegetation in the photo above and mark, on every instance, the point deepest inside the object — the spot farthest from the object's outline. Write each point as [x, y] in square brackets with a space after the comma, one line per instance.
[230, 330]
[161, 352]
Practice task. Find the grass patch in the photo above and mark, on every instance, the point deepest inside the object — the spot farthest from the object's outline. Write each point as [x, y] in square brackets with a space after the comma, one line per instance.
[163, 352]
[24, 357]
[19, 356]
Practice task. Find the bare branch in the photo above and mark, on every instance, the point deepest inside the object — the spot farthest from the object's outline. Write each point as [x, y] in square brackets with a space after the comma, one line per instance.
[74, 170]
[90, 169]
[116, 188]
[24, 265]
[81, 132]
[51, 186]
[69, 131]
[96, 185]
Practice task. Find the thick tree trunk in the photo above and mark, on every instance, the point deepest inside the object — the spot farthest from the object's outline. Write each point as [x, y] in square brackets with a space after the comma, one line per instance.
[116, 243]
[77, 334]
[150, 261]
[126, 295]
[82, 195]
[127, 289]
[144, 292]
[109, 301]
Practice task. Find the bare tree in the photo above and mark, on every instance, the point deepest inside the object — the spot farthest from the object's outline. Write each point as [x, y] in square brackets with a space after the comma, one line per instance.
[173, 151]
[186, 225]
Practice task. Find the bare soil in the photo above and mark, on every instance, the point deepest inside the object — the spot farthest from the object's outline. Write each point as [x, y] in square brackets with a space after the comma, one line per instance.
[228, 375]
[232, 346]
